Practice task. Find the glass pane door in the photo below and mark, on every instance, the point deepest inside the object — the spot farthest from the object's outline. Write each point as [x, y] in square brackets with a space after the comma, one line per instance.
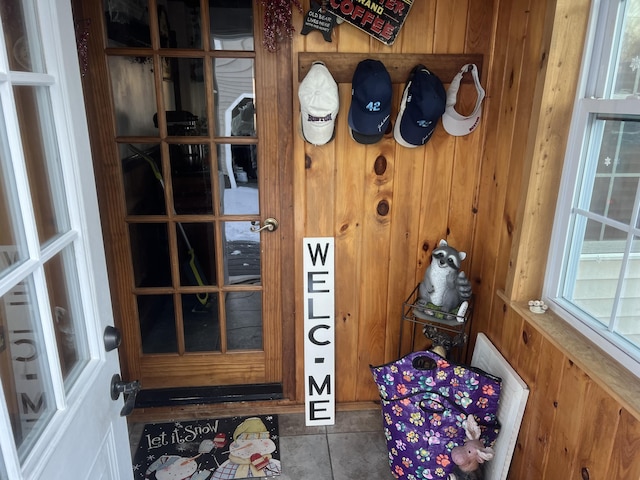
[184, 80]
[45, 296]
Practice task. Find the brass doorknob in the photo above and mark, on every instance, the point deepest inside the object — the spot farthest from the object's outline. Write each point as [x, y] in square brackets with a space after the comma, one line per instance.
[270, 224]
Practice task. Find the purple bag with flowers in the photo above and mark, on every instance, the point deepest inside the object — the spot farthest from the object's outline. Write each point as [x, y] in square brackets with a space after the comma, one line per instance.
[425, 400]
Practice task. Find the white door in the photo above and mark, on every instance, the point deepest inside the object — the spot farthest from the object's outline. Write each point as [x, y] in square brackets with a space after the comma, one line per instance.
[57, 418]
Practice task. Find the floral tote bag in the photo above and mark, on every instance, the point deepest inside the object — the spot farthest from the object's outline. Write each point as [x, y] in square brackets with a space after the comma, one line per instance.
[425, 400]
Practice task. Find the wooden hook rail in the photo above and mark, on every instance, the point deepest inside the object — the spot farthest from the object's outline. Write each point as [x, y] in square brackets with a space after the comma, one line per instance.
[399, 65]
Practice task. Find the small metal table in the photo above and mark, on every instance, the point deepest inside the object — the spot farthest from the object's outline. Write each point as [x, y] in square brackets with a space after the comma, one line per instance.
[448, 330]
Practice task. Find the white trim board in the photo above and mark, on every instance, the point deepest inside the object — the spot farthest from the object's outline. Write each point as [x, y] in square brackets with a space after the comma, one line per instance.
[513, 399]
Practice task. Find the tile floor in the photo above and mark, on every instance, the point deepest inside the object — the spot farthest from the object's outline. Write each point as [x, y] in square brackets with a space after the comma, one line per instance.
[352, 449]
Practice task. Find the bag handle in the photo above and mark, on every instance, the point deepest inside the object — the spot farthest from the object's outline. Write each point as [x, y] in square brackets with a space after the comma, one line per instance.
[423, 362]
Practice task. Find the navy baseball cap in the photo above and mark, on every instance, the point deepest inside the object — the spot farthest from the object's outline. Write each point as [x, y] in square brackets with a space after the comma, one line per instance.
[423, 103]
[370, 111]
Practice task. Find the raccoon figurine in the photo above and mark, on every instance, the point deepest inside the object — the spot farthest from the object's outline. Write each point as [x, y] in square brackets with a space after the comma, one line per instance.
[444, 285]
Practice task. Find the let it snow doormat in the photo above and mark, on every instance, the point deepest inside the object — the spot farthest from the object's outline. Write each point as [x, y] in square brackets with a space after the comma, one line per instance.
[214, 449]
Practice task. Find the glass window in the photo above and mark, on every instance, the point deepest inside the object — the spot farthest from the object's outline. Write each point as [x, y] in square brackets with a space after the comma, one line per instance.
[231, 24]
[13, 248]
[594, 273]
[42, 158]
[27, 380]
[22, 38]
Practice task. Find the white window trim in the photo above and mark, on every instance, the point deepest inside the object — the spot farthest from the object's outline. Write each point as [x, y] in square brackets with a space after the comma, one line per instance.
[598, 44]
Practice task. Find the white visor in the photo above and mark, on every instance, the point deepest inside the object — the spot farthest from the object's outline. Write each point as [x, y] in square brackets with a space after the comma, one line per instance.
[454, 123]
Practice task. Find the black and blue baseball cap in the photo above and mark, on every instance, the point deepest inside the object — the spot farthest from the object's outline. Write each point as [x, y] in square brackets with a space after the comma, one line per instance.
[370, 110]
[423, 104]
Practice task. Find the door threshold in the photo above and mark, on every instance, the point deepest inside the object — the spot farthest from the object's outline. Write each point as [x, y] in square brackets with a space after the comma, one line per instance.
[169, 397]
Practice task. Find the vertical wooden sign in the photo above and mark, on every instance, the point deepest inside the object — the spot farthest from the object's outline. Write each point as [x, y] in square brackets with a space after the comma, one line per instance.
[319, 330]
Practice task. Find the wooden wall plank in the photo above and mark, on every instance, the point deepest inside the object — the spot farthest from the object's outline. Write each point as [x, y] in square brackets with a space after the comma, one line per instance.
[450, 26]
[349, 220]
[376, 238]
[540, 415]
[526, 364]
[538, 32]
[544, 154]
[492, 181]
[406, 211]
[450, 36]
[625, 462]
[598, 427]
[406, 207]
[418, 31]
[572, 407]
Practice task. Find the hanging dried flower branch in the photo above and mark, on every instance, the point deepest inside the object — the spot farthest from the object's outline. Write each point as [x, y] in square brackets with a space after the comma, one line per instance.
[277, 21]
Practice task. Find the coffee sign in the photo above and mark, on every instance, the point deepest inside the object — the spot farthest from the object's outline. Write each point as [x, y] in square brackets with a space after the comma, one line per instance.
[382, 19]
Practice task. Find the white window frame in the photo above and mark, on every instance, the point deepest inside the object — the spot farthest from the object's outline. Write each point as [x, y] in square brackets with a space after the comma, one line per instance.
[591, 99]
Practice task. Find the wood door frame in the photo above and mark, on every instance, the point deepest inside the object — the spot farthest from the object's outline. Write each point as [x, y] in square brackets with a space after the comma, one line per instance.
[278, 89]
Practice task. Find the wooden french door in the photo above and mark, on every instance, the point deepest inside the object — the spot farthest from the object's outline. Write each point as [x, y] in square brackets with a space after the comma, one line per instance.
[190, 142]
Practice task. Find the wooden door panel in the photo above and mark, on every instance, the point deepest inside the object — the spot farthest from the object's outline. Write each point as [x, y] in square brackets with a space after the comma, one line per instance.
[203, 370]
[180, 244]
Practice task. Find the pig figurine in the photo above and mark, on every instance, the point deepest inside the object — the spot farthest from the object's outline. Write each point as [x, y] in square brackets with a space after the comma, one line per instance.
[470, 456]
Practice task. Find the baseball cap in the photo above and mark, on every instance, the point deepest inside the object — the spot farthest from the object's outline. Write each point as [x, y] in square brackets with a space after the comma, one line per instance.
[423, 103]
[370, 102]
[454, 123]
[319, 104]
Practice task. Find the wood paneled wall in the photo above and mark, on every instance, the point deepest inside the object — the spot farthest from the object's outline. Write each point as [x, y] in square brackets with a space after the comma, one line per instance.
[491, 194]
[386, 220]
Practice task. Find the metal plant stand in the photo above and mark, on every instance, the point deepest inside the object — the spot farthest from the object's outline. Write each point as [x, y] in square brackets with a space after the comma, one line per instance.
[448, 330]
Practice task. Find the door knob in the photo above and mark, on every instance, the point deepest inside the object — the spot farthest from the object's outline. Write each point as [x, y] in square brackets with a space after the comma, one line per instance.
[270, 224]
[130, 390]
[112, 338]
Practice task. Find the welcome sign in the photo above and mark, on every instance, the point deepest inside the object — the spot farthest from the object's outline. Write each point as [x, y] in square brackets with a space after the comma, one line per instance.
[382, 19]
[319, 330]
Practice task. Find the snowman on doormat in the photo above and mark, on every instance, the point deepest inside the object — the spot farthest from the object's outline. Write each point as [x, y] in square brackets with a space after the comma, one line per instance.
[249, 453]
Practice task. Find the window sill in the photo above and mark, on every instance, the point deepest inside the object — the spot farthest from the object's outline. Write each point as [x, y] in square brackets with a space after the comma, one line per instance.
[618, 382]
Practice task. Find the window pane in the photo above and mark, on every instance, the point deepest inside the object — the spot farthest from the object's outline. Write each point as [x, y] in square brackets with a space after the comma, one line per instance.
[234, 95]
[150, 254]
[179, 24]
[143, 181]
[22, 37]
[184, 96]
[231, 24]
[191, 179]
[244, 320]
[617, 142]
[597, 264]
[244, 199]
[242, 252]
[42, 157]
[239, 163]
[201, 323]
[127, 23]
[25, 376]
[196, 254]
[627, 67]
[629, 309]
[13, 247]
[132, 84]
[68, 317]
[157, 324]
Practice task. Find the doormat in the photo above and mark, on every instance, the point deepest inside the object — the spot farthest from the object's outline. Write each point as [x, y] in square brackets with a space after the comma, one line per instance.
[213, 449]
